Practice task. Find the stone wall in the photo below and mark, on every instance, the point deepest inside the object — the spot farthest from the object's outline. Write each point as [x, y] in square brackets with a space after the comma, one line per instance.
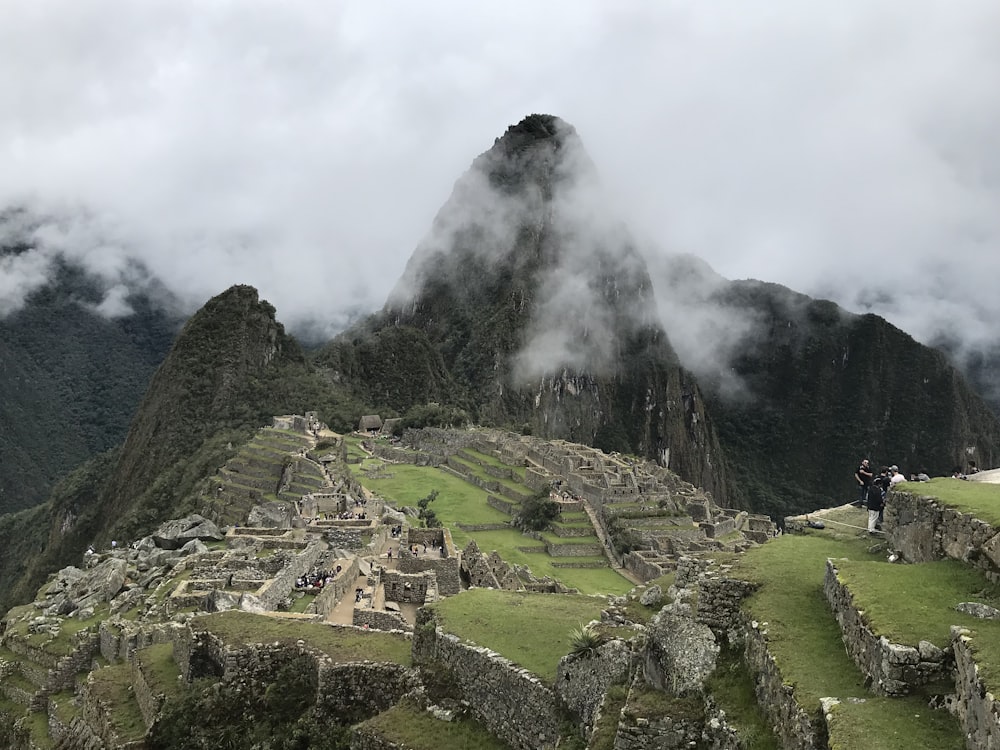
[575, 550]
[976, 704]
[890, 668]
[379, 619]
[502, 505]
[446, 568]
[510, 702]
[922, 530]
[795, 727]
[333, 592]
[582, 681]
[120, 639]
[408, 587]
[272, 593]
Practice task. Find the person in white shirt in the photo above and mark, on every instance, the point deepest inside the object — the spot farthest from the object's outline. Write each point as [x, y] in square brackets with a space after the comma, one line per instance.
[896, 477]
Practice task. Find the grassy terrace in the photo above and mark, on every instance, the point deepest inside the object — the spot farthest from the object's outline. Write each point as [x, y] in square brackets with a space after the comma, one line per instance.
[113, 686]
[160, 668]
[342, 644]
[412, 727]
[519, 471]
[532, 630]
[460, 502]
[806, 643]
[478, 471]
[978, 499]
[64, 643]
[886, 594]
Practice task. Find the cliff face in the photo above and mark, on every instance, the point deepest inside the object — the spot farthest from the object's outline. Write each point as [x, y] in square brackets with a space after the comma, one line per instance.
[529, 306]
[805, 389]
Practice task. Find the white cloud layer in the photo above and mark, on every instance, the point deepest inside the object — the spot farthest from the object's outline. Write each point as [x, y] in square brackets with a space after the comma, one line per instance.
[844, 149]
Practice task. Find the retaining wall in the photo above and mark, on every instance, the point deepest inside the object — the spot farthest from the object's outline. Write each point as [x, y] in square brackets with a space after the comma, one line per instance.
[510, 702]
[890, 668]
[976, 705]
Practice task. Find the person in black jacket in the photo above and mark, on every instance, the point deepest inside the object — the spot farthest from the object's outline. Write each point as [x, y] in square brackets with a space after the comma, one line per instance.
[863, 476]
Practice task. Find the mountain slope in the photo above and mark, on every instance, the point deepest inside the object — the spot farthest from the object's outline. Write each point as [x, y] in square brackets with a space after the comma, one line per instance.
[529, 306]
[71, 380]
[801, 390]
[230, 370]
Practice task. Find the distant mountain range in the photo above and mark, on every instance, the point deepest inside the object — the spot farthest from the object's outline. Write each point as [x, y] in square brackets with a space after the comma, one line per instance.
[528, 306]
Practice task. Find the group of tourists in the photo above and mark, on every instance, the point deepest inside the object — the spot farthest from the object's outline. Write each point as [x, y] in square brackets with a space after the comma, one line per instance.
[873, 489]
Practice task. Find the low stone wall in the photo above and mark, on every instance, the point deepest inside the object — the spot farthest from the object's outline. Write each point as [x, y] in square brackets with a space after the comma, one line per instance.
[272, 593]
[120, 639]
[796, 728]
[449, 581]
[720, 602]
[510, 702]
[391, 453]
[922, 530]
[504, 506]
[379, 619]
[977, 707]
[571, 532]
[890, 668]
[95, 715]
[483, 526]
[350, 691]
[575, 550]
[408, 587]
[148, 700]
[644, 569]
[334, 591]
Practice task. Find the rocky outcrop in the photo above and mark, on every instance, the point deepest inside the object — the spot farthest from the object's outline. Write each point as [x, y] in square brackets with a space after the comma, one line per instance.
[175, 534]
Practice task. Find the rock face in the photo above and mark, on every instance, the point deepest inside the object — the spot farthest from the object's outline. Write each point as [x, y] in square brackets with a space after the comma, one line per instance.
[73, 590]
[178, 533]
[681, 653]
[528, 304]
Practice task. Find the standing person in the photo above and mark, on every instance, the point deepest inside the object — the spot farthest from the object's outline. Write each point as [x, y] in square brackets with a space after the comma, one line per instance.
[884, 482]
[864, 478]
[875, 502]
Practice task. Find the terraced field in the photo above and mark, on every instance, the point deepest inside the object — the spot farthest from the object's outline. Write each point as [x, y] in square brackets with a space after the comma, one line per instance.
[462, 505]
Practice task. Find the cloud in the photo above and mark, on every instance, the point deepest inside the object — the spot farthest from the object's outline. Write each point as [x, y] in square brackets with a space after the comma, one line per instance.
[846, 151]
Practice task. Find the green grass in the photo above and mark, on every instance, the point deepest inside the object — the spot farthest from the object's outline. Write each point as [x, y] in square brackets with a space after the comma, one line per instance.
[160, 668]
[457, 500]
[410, 727]
[342, 644]
[478, 471]
[893, 724]
[733, 689]
[910, 603]
[806, 642]
[606, 728]
[113, 685]
[532, 630]
[301, 603]
[976, 498]
[985, 647]
[461, 502]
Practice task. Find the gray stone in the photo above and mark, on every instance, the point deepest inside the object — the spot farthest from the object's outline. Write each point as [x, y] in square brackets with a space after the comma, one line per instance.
[680, 654]
[982, 611]
[651, 596]
[271, 516]
[194, 547]
[929, 652]
[175, 534]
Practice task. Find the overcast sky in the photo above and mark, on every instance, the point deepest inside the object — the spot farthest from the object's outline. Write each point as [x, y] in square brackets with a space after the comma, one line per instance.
[847, 149]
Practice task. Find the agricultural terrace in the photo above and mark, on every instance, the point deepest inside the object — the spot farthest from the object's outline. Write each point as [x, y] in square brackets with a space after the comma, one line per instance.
[460, 503]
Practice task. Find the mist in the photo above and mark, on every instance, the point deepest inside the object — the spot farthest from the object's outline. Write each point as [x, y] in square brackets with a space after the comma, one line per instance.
[846, 151]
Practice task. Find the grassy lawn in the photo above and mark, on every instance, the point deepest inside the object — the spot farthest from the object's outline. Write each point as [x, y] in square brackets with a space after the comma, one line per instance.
[301, 603]
[910, 603]
[979, 499]
[532, 630]
[478, 471]
[342, 644]
[411, 727]
[893, 724]
[457, 500]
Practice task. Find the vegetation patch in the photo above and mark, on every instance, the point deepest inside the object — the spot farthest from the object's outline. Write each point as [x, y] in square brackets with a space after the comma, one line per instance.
[409, 726]
[979, 499]
[893, 724]
[341, 644]
[532, 630]
[606, 727]
[112, 685]
[733, 690]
